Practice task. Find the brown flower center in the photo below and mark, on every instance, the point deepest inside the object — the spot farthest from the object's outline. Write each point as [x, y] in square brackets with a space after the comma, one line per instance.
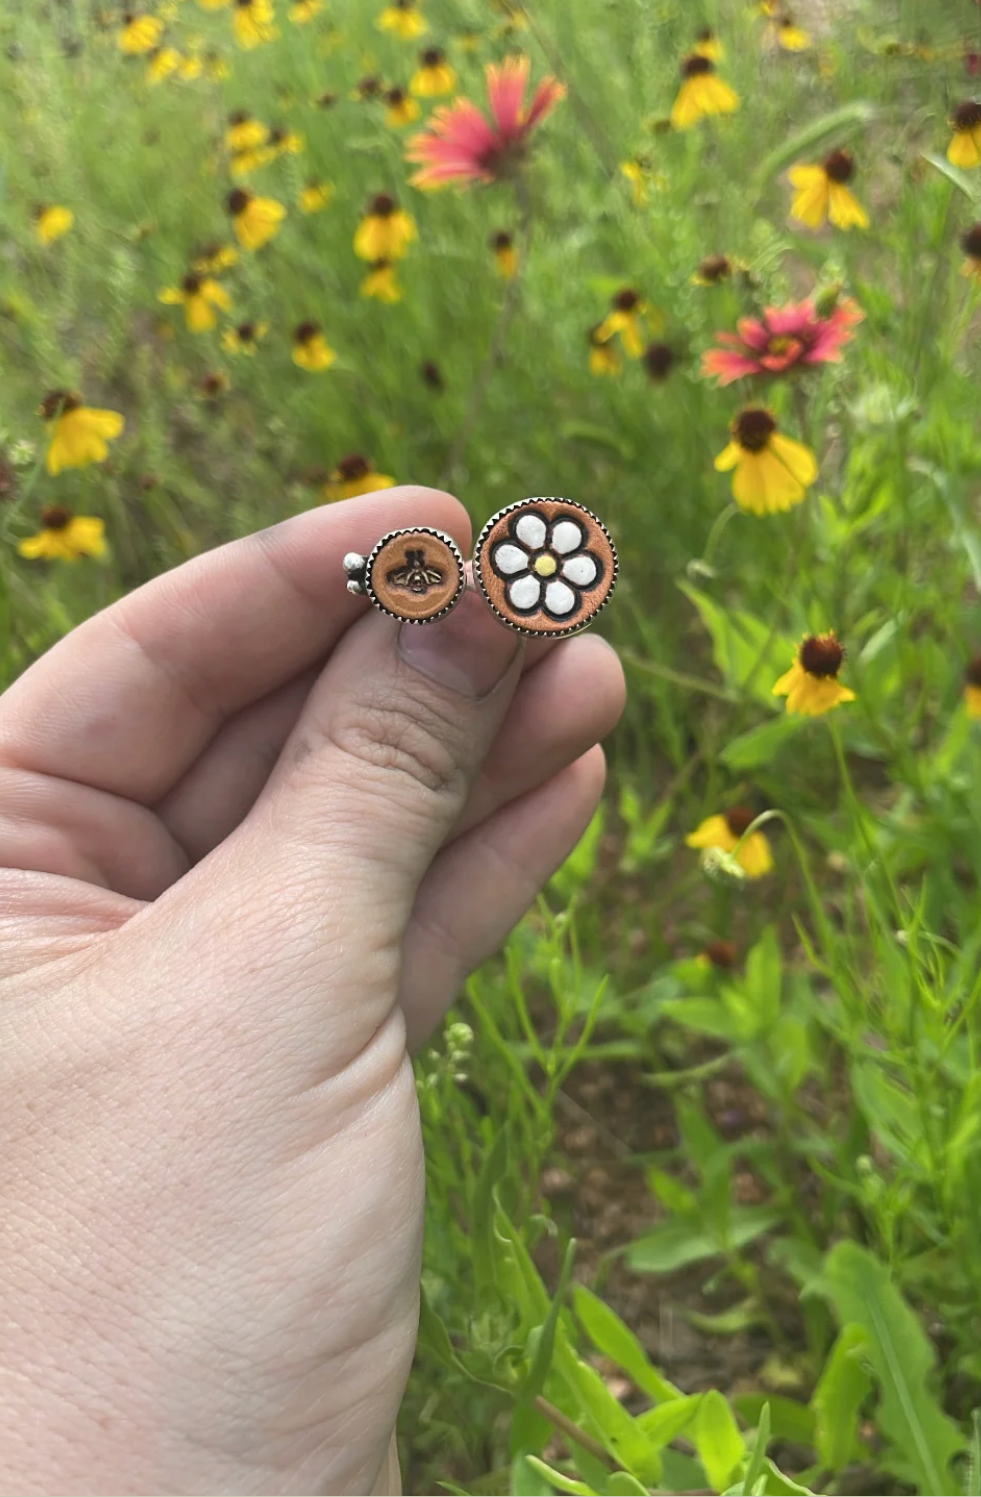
[433, 57]
[658, 359]
[395, 97]
[246, 332]
[839, 166]
[238, 200]
[714, 268]
[502, 240]
[353, 466]
[59, 403]
[705, 35]
[239, 117]
[191, 285]
[972, 672]
[213, 384]
[821, 655]
[56, 517]
[305, 332]
[277, 136]
[967, 116]
[382, 206]
[326, 101]
[626, 301]
[693, 66]
[724, 954]
[753, 428]
[431, 375]
[739, 820]
[971, 241]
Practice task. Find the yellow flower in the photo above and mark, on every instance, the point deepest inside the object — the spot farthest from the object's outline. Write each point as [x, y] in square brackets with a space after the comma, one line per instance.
[310, 348]
[315, 196]
[434, 76]
[400, 109]
[51, 222]
[385, 232]
[254, 22]
[355, 475]
[972, 688]
[640, 173]
[64, 536]
[702, 93]
[707, 44]
[161, 63]
[727, 832]
[79, 433]
[191, 68]
[603, 357]
[627, 319]
[245, 338]
[217, 66]
[381, 282]
[971, 245]
[139, 34]
[198, 297]
[304, 10]
[213, 386]
[790, 37]
[256, 220]
[822, 193]
[811, 686]
[284, 142]
[773, 472]
[965, 147]
[505, 255]
[250, 161]
[245, 133]
[214, 258]
[712, 270]
[404, 18]
[214, 4]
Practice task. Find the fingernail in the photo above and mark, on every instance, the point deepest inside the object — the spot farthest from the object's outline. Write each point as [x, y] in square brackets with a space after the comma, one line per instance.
[469, 651]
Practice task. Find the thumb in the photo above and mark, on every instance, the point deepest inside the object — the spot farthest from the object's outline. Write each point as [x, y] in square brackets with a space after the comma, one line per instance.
[319, 881]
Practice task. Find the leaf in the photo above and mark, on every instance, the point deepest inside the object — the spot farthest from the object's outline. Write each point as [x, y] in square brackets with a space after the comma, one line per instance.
[678, 1242]
[618, 1432]
[755, 1468]
[542, 1360]
[615, 1340]
[778, 1484]
[901, 1358]
[761, 744]
[789, 1420]
[764, 977]
[482, 1226]
[842, 1389]
[960, 179]
[749, 653]
[703, 1015]
[838, 126]
[558, 1481]
[718, 1443]
[527, 1480]
[622, 1484]
[667, 1422]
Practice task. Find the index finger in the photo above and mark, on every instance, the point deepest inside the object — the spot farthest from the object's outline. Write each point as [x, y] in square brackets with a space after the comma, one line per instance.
[127, 702]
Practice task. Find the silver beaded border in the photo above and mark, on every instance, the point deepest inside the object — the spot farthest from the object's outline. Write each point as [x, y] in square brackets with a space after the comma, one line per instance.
[523, 504]
[415, 530]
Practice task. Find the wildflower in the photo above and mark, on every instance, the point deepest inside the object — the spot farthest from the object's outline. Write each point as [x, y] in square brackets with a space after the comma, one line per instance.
[285, 142]
[404, 18]
[199, 297]
[214, 385]
[965, 147]
[245, 133]
[659, 359]
[505, 254]
[790, 37]
[625, 318]
[368, 88]
[460, 144]
[140, 34]
[972, 688]
[381, 282]
[773, 472]
[783, 339]
[400, 108]
[214, 4]
[51, 222]
[161, 63]
[701, 94]
[191, 68]
[254, 22]
[712, 270]
[326, 101]
[256, 220]
[639, 172]
[310, 349]
[723, 955]
[971, 245]
[727, 832]
[244, 339]
[707, 44]
[79, 433]
[302, 11]
[355, 475]
[315, 196]
[822, 193]
[385, 232]
[603, 357]
[434, 75]
[432, 376]
[811, 686]
[216, 66]
[212, 259]
[64, 536]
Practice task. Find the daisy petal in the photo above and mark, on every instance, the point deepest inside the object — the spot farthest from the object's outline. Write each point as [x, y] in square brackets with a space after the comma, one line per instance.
[567, 536]
[509, 559]
[525, 592]
[580, 569]
[559, 598]
[531, 531]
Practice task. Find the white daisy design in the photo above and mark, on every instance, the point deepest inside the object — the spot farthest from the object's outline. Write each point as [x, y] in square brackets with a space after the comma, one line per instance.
[546, 565]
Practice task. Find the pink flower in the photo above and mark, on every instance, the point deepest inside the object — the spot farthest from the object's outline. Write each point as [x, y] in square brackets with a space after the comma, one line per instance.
[459, 143]
[783, 338]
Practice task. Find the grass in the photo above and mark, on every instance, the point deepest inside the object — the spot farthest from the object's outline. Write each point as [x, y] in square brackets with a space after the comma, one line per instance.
[834, 1230]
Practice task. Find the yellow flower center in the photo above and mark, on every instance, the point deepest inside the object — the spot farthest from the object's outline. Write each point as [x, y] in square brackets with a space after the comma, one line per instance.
[545, 566]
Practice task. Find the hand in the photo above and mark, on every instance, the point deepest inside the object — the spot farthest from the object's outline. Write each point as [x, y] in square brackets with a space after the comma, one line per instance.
[251, 838]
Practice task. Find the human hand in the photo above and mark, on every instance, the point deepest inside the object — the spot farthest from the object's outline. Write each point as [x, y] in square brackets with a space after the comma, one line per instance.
[247, 845]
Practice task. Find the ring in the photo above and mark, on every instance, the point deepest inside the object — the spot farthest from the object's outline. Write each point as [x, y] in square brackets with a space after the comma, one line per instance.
[414, 575]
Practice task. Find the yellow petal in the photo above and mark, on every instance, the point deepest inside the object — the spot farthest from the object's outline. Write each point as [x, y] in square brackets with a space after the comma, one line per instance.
[963, 150]
[755, 857]
[686, 109]
[794, 455]
[844, 209]
[728, 457]
[972, 701]
[714, 831]
[810, 204]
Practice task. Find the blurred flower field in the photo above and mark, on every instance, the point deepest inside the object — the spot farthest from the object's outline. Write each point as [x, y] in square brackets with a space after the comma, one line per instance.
[704, 1144]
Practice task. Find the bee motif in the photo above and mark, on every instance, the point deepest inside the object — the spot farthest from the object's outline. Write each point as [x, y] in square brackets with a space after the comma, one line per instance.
[415, 575]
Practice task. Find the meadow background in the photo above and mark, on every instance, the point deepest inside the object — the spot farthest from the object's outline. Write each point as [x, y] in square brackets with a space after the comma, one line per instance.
[704, 1150]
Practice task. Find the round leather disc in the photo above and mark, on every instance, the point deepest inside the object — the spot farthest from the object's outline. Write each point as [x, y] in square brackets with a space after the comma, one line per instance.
[415, 575]
[545, 566]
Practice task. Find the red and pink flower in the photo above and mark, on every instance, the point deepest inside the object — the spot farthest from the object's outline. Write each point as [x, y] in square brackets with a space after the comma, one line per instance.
[783, 338]
[460, 145]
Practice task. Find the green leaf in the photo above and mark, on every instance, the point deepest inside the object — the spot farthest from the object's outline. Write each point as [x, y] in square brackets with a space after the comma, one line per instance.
[703, 1015]
[755, 1468]
[764, 977]
[789, 1420]
[842, 1389]
[618, 1432]
[838, 126]
[749, 653]
[778, 1484]
[615, 1340]
[961, 179]
[718, 1443]
[558, 1481]
[482, 1231]
[622, 1484]
[542, 1360]
[677, 1242]
[527, 1480]
[666, 1423]
[901, 1358]
[761, 744]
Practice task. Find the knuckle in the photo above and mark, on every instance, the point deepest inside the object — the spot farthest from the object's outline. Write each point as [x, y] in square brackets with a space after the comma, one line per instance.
[393, 744]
